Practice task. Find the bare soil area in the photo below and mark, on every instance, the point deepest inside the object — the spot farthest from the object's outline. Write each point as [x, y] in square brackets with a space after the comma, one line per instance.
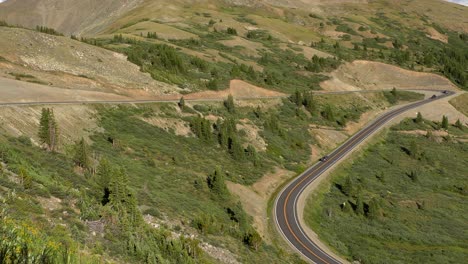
[368, 75]
[461, 103]
[255, 198]
[173, 125]
[63, 62]
[238, 89]
[75, 121]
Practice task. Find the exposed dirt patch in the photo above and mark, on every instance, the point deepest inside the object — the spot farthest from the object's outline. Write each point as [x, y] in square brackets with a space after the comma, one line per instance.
[223, 255]
[51, 204]
[254, 199]
[437, 133]
[434, 34]
[461, 103]
[435, 110]
[367, 75]
[255, 205]
[252, 134]
[249, 48]
[173, 125]
[238, 89]
[308, 52]
[266, 185]
[75, 121]
[67, 16]
[327, 139]
[63, 62]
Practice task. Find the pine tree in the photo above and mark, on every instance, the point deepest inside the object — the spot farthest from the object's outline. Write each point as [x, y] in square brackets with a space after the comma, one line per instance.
[309, 102]
[215, 182]
[359, 205]
[181, 103]
[252, 155]
[81, 157]
[48, 129]
[374, 211]
[297, 98]
[236, 149]
[394, 92]
[328, 114]
[445, 122]
[459, 124]
[415, 150]
[53, 131]
[348, 188]
[44, 126]
[229, 104]
[419, 118]
[253, 239]
[104, 172]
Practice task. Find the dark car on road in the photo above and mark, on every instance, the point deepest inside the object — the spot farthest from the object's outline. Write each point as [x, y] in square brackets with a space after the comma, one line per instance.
[324, 158]
[433, 96]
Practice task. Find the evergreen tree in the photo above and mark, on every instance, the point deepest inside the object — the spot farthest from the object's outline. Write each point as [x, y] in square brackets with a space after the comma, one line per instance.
[181, 102]
[252, 155]
[231, 31]
[309, 102]
[44, 126]
[81, 157]
[216, 183]
[374, 210]
[252, 239]
[394, 92]
[236, 149]
[48, 129]
[349, 187]
[229, 104]
[459, 124]
[415, 150]
[359, 205]
[419, 118]
[328, 113]
[297, 98]
[445, 122]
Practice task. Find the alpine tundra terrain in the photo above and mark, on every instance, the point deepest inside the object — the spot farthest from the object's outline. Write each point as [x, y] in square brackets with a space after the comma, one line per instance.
[233, 131]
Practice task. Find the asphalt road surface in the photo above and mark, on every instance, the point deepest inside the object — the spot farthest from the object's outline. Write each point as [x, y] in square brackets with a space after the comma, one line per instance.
[285, 208]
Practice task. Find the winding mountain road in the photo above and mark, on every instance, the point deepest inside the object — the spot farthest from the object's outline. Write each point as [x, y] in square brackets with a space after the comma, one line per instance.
[286, 204]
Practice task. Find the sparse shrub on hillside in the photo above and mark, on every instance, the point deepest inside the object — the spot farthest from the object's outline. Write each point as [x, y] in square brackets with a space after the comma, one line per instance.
[48, 30]
[82, 155]
[151, 35]
[231, 31]
[445, 122]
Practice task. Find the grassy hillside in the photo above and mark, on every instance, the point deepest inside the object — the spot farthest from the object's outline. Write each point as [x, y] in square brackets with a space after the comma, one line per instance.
[149, 185]
[402, 200]
[271, 45]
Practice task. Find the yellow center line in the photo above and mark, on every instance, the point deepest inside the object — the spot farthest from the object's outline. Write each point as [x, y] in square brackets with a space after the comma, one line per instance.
[305, 178]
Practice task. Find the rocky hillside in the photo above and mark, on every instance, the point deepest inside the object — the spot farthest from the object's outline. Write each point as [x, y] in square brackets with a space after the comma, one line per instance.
[69, 17]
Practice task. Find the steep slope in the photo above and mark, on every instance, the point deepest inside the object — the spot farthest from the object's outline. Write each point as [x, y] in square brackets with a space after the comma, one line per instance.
[66, 63]
[69, 17]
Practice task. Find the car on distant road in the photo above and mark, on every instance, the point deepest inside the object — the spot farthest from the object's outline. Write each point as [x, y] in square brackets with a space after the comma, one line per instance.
[433, 96]
[445, 92]
[324, 158]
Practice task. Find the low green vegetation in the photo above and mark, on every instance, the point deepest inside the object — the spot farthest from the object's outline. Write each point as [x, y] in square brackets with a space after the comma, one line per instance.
[403, 200]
